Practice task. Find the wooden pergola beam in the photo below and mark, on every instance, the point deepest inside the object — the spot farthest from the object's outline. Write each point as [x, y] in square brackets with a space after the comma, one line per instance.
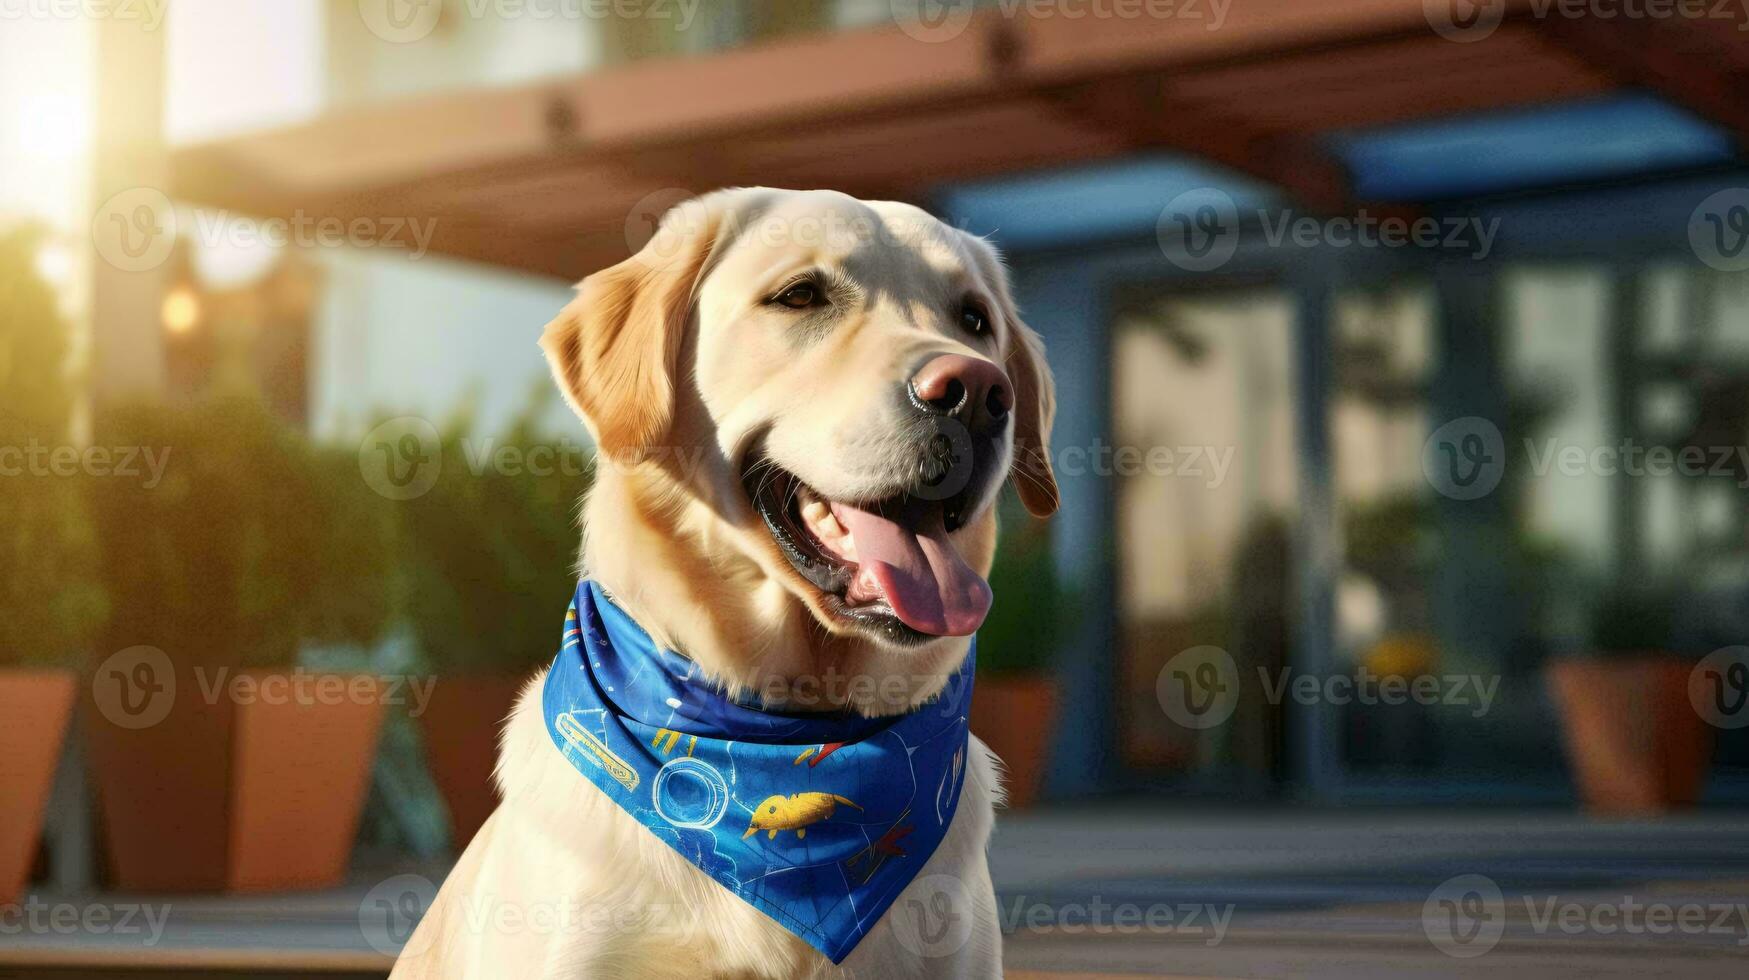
[1682, 61]
[834, 79]
[543, 176]
[1144, 113]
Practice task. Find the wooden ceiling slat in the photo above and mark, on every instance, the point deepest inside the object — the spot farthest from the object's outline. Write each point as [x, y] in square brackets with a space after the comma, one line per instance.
[1417, 97]
[1686, 66]
[1390, 60]
[1192, 36]
[542, 177]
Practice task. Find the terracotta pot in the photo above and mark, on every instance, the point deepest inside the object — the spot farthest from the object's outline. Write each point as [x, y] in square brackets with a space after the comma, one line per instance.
[34, 707]
[1634, 741]
[255, 784]
[1015, 717]
[461, 725]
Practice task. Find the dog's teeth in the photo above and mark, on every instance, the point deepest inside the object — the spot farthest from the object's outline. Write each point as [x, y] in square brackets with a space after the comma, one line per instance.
[820, 520]
[865, 587]
[817, 514]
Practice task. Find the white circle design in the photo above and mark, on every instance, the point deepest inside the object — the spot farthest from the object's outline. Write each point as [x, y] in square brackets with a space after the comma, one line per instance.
[692, 770]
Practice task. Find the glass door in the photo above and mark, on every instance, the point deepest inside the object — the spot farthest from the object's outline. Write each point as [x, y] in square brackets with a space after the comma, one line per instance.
[1205, 476]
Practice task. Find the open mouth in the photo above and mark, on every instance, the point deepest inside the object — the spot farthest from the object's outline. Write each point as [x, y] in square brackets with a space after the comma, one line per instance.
[887, 566]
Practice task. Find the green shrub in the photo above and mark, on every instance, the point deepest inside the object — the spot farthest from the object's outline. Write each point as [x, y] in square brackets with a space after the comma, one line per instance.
[490, 553]
[51, 605]
[1032, 613]
[1635, 618]
[254, 544]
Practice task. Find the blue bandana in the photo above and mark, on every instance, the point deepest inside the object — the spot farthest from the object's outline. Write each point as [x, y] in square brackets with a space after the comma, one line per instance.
[817, 820]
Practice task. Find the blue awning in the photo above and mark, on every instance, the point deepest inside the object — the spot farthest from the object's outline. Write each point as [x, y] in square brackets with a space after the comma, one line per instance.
[1080, 204]
[1594, 139]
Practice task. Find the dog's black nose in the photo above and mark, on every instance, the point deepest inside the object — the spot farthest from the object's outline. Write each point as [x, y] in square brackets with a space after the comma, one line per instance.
[969, 389]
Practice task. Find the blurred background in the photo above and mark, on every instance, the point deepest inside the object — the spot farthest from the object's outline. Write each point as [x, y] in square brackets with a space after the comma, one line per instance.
[1401, 584]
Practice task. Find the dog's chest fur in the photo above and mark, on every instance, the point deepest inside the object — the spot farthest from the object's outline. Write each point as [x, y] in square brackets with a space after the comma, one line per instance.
[562, 883]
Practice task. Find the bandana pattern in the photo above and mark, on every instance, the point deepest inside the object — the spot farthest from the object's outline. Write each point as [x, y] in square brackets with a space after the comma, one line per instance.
[819, 821]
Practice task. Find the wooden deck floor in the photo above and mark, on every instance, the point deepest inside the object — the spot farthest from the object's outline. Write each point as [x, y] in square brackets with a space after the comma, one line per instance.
[1338, 895]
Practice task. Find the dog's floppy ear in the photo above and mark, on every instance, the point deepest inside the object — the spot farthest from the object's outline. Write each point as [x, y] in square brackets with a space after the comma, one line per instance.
[615, 349]
[1035, 408]
[1035, 394]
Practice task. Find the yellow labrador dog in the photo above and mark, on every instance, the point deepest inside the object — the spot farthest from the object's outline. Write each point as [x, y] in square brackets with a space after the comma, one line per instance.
[772, 383]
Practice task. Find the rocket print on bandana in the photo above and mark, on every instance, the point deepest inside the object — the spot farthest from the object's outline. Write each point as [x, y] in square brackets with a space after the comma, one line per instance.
[795, 812]
[819, 821]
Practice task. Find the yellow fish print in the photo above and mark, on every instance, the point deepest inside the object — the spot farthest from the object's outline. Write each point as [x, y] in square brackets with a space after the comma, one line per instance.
[793, 812]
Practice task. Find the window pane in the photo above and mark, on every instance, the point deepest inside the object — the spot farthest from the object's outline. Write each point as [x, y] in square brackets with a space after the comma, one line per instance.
[1203, 407]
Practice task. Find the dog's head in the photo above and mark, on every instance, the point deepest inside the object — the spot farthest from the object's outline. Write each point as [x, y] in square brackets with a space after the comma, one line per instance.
[843, 386]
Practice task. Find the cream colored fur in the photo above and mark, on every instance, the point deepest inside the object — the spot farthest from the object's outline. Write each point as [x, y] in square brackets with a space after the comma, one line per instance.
[675, 367]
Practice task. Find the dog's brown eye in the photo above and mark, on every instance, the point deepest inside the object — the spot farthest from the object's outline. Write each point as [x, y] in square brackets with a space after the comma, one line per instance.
[799, 296]
[974, 320]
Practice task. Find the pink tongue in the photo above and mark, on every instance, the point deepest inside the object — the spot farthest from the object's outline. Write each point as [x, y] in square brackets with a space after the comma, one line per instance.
[931, 589]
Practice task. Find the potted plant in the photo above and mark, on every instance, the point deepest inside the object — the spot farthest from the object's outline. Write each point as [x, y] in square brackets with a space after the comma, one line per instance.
[1633, 740]
[50, 603]
[490, 558]
[1014, 704]
[220, 763]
